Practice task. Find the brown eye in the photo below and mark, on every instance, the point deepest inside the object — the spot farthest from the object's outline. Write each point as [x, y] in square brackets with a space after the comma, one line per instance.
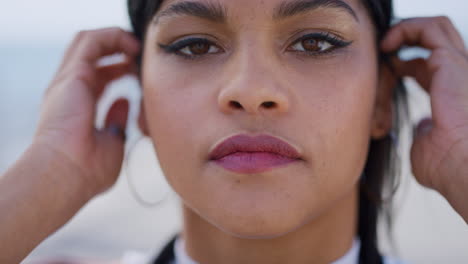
[311, 45]
[199, 48]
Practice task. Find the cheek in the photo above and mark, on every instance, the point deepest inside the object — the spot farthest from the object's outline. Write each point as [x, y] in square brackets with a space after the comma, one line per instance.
[176, 110]
[336, 105]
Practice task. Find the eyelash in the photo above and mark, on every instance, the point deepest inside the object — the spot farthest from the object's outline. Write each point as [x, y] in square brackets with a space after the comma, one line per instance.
[176, 47]
[334, 41]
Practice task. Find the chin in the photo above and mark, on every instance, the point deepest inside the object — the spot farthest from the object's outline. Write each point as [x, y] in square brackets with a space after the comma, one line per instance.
[259, 229]
[244, 233]
[261, 206]
[258, 221]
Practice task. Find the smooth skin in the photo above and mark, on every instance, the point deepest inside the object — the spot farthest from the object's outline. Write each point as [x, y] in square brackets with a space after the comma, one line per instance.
[439, 153]
[69, 162]
[257, 80]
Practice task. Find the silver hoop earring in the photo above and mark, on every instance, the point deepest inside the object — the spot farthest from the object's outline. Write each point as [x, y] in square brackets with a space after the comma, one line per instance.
[142, 150]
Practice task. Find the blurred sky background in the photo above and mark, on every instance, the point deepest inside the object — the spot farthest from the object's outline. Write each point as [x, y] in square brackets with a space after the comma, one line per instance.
[33, 37]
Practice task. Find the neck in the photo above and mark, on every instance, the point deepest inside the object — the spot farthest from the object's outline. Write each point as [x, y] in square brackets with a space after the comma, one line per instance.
[321, 240]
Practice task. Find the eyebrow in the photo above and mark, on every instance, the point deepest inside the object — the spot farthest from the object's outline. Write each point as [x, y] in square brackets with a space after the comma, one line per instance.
[289, 9]
[215, 12]
[211, 11]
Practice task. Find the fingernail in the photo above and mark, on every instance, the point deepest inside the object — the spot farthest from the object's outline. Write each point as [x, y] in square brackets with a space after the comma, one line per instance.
[116, 130]
[423, 127]
[394, 137]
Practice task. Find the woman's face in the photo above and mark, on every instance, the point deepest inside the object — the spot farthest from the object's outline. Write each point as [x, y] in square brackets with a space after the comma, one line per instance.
[208, 70]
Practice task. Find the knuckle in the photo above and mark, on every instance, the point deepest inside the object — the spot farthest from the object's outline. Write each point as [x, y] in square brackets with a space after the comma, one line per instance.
[82, 34]
[83, 72]
[435, 60]
[92, 35]
[433, 23]
[444, 20]
[441, 21]
[46, 93]
[444, 57]
[89, 34]
[114, 31]
[441, 53]
[410, 20]
[438, 56]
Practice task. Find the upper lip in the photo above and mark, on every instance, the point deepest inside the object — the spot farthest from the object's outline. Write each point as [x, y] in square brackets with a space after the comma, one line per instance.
[260, 143]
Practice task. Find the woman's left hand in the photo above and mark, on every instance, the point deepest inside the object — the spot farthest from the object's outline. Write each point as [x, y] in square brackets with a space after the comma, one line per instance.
[439, 154]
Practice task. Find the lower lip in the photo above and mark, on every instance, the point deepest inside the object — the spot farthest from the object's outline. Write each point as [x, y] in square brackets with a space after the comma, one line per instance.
[253, 162]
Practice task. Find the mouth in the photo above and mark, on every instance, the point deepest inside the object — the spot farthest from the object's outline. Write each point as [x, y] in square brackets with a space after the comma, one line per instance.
[247, 155]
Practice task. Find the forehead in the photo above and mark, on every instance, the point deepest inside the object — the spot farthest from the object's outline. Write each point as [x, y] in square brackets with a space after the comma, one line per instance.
[262, 3]
[272, 8]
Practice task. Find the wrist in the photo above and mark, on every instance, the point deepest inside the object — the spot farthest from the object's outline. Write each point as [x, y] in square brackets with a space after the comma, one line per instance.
[456, 196]
[450, 177]
[58, 169]
[41, 192]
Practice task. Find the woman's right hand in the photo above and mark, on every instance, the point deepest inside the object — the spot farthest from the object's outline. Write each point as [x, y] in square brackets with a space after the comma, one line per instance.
[66, 125]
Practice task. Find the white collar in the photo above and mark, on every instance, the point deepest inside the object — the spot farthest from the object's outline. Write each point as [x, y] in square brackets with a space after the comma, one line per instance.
[351, 257]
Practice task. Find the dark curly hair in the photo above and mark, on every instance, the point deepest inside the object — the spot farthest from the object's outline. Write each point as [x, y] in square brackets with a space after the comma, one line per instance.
[382, 169]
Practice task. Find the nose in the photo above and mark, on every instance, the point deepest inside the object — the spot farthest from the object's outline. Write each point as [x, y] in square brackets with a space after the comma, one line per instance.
[253, 87]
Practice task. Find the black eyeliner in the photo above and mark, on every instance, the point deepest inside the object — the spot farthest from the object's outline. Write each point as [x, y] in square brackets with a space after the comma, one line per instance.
[334, 40]
[177, 46]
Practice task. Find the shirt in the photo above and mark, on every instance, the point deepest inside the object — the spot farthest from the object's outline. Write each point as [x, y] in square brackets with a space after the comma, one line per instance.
[181, 256]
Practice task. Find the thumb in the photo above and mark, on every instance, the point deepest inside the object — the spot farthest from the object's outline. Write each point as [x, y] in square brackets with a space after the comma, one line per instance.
[421, 153]
[111, 144]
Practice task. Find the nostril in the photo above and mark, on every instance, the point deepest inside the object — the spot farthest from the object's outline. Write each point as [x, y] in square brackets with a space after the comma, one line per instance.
[269, 104]
[235, 104]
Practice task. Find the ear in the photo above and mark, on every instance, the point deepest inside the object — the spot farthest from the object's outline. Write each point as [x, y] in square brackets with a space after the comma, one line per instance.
[142, 123]
[383, 110]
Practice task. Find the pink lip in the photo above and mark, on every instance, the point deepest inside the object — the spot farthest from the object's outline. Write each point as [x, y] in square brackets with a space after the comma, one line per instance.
[245, 154]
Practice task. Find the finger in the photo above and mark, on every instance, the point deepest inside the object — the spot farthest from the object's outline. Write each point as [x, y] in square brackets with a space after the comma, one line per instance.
[424, 32]
[96, 78]
[111, 143]
[107, 74]
[69, 51]
[89, 46]
[421, 149]
[455, 37]
[111, 72]
[78, 42]
[118, 114]
[417, 68]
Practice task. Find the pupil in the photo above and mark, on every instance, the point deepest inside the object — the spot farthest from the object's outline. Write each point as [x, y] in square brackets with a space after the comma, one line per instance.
[311, 45]
[199, 48]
